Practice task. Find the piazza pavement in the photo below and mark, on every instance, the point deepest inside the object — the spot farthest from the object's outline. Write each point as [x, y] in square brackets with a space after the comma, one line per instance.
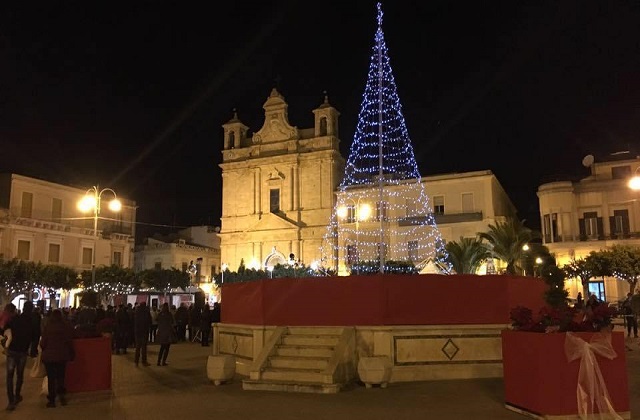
[182, 390]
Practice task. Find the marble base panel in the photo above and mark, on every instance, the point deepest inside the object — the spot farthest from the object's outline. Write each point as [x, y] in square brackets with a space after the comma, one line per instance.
[417, 353]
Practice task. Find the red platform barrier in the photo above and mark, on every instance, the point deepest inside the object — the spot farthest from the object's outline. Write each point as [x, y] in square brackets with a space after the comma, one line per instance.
[427, 299]
[538, 378]
[91, 368]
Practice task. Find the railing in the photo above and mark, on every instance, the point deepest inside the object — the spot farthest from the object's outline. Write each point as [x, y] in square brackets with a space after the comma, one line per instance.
[442, 218]
[586, 238]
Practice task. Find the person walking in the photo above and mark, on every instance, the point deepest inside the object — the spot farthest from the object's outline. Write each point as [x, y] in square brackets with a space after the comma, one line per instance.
[141, 326]
[629, 316]
[166, 333]
[154, 324]
[57, 350]
[205, 325]
[19, 333]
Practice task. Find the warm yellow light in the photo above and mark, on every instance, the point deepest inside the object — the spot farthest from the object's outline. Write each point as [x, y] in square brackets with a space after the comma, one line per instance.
[342, 212]
[634, 183]
[115, 205]
[87, 203]
[538, 260]
[224, 266]
[364, 211]
[525, 247]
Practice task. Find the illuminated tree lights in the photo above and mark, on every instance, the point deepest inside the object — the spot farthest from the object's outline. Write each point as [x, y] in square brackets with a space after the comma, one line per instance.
[382, 215]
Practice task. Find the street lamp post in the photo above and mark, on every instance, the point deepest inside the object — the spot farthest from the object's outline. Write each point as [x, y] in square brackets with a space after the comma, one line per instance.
[91, 202]
[224, 267]
[361, 213]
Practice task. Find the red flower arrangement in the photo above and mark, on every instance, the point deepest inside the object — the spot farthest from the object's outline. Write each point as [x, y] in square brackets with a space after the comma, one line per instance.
[562, 319]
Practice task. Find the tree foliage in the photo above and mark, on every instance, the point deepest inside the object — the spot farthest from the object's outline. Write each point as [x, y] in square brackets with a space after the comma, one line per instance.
[467, 255]
[506, 240]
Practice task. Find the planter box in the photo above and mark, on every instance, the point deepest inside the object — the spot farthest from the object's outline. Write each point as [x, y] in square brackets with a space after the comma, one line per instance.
[540, 382]
[91, 368]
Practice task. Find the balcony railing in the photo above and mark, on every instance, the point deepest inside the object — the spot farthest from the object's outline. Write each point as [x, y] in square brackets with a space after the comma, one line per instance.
[442, 218]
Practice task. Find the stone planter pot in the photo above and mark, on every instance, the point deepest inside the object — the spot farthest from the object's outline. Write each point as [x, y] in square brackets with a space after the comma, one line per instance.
[374, 370]
[539, 380]
[221, 368]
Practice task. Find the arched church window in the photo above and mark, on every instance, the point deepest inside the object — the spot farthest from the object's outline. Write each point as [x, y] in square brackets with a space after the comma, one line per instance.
[323, 126]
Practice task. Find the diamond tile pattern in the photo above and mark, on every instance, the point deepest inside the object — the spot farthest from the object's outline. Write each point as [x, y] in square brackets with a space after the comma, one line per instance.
[450, 349]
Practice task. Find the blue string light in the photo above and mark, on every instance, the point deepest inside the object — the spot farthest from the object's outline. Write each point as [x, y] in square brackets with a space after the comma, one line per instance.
[382, 168]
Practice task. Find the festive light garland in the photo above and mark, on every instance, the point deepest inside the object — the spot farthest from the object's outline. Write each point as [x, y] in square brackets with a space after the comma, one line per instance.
[382, 169]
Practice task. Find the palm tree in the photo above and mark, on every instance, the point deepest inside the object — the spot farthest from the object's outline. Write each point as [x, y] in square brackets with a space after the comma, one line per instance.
[467, 254]
[506, 240]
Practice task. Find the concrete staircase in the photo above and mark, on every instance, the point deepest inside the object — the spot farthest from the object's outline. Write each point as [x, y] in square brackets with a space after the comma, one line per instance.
[305, 359]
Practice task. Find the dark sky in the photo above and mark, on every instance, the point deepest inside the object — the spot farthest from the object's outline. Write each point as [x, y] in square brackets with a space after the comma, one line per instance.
[132, 95]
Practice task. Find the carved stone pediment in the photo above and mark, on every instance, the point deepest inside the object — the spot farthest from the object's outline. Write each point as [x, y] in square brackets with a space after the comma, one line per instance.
[276, 125]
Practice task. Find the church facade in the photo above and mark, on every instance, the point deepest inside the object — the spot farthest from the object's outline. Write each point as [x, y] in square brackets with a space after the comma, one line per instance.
[278, 187]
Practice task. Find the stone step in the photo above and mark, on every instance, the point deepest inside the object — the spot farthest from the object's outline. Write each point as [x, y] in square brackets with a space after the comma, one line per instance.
[285, 386]
[292, 375]
[314, 363]
[301, 351]
[315, 330]
[310, 340]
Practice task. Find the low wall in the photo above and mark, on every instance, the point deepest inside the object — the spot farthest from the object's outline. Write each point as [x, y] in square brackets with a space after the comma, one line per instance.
[427, 299]
[417, 353]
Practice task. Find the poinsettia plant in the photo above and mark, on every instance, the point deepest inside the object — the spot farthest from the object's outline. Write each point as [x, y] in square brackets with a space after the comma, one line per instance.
[557, 315]
[562, 319]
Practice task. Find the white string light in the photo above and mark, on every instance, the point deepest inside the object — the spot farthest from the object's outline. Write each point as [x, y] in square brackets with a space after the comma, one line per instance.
[404, 223]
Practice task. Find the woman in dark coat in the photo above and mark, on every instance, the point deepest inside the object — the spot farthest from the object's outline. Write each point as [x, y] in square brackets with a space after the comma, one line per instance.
[57, 350]
[166, 333]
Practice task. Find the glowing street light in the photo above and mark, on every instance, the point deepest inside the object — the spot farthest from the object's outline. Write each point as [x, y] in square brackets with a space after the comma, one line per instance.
[634, 182]
[92, 202]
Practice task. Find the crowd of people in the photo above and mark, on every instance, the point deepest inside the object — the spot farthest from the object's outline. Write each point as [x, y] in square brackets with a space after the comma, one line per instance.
[132, 326]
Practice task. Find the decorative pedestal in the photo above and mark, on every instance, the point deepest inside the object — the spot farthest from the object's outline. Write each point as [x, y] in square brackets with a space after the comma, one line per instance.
[221, 368]
[374, 371]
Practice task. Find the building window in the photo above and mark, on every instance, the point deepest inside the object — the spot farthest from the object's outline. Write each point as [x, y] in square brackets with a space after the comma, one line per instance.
[117, 258]
[412, 248]
[274, 200]
[382, 208]
[438, 204]
[24, 250]
[352, 255]
[590, 225]
[54, 253]
[157, 265]
[56, 210]
[87, 256]
[213, 270]
[550, 227]
[619, 223]
[467, 203]
[621, 172]
[323, 126]
[185, 266]
[410, 205]
[27, 205]
[351, 214]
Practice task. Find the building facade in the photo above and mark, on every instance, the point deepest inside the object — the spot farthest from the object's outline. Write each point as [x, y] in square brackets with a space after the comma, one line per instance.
[278, 186]
[592, 214]
[463, 205]
[41, 222]
[196, 250]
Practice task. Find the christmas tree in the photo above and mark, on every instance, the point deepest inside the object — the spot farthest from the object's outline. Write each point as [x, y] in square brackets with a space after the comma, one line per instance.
[382, 218]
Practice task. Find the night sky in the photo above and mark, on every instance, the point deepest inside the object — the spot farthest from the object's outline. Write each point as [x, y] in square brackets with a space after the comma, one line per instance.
[132, 95]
